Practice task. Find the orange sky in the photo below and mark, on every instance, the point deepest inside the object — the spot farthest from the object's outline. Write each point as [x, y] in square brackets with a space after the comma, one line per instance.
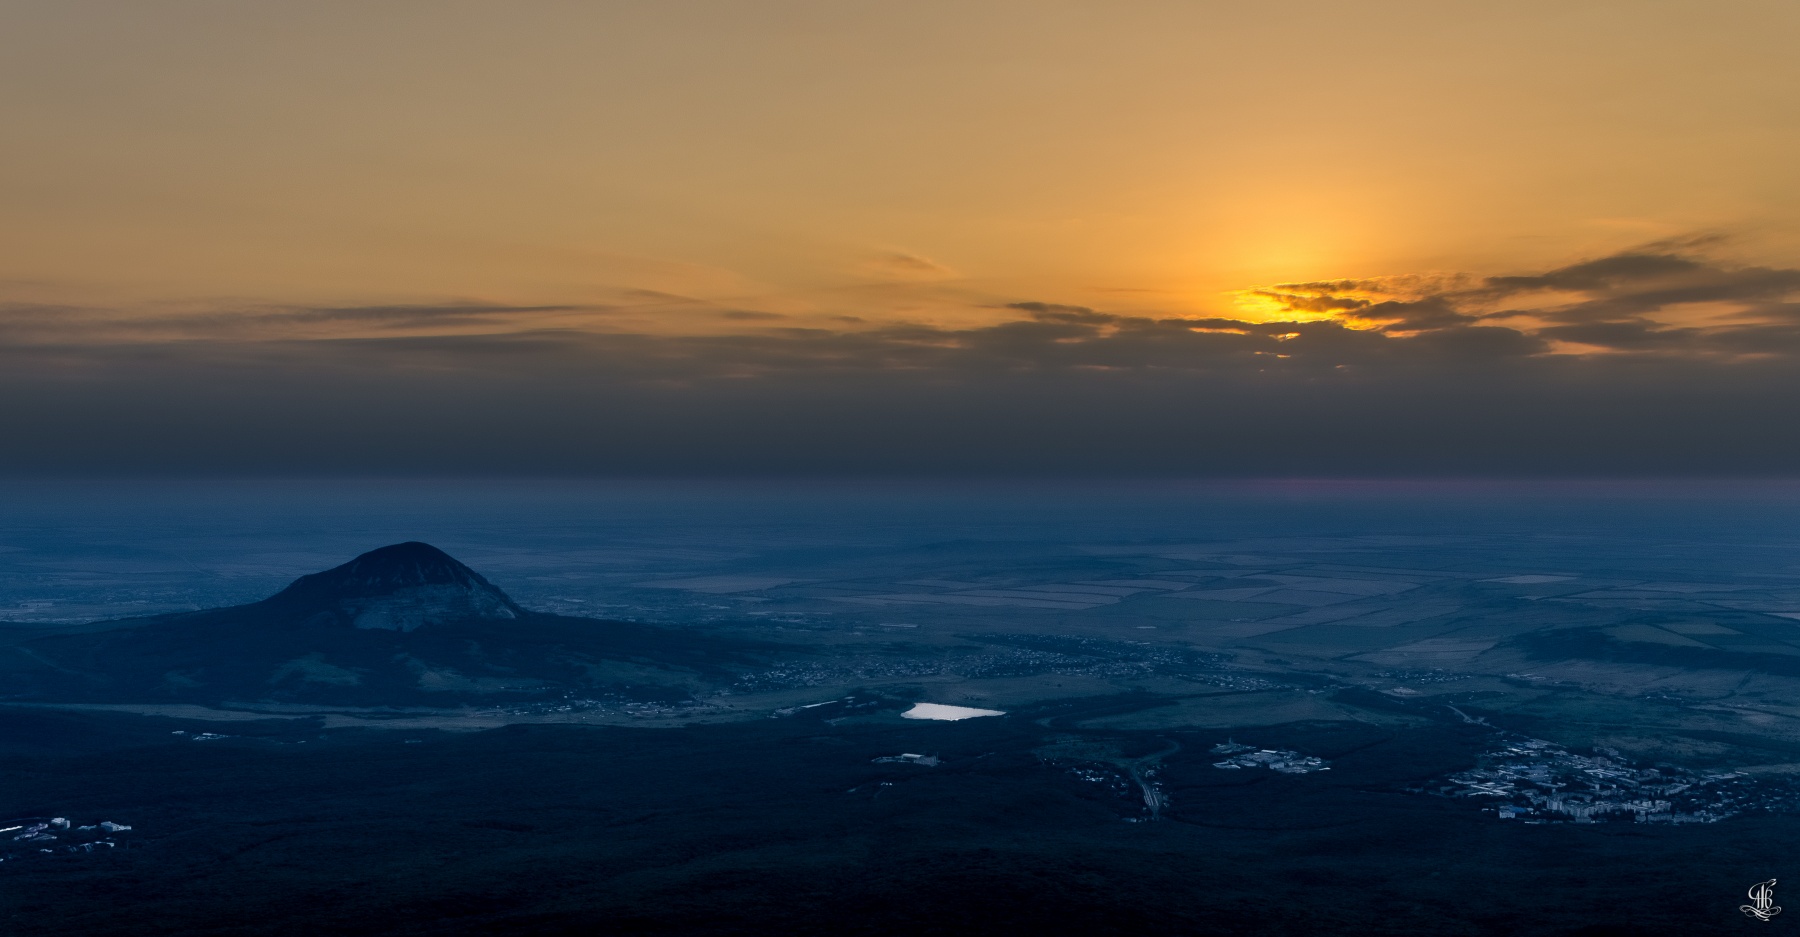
[698, 167]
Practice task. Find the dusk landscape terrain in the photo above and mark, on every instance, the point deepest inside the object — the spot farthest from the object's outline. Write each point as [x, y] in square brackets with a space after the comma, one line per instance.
[805, 468]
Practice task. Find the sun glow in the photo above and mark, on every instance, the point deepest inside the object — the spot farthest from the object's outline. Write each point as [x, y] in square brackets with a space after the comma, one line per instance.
[1325, 301]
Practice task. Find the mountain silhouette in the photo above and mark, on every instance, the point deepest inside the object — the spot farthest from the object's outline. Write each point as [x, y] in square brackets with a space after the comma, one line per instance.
[405, 624]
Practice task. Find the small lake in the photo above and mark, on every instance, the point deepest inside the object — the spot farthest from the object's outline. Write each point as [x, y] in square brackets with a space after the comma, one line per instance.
[941, 712]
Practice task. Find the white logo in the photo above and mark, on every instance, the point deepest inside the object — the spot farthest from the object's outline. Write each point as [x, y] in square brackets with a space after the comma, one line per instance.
[1762, 901]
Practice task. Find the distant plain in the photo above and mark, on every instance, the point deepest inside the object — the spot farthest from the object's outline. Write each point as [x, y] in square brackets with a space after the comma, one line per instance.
[1389, 627]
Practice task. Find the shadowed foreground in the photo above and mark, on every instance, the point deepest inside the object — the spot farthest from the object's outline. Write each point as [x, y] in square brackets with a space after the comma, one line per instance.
[788, 826]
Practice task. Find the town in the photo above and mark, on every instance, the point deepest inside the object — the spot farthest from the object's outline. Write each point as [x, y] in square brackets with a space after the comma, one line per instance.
[1541, 782]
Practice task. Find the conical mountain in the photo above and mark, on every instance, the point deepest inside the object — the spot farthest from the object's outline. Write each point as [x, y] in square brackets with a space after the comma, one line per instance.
[396, 588]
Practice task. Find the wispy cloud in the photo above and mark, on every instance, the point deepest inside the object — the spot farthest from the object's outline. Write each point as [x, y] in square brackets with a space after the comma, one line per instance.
[901, 265]
[1650, 360]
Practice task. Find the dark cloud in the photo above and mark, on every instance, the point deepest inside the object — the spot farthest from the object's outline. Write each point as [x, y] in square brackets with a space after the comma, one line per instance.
[402, 315]
[1661, 299]
[1628, 336]
[1635, 286]
[1432, 312]
[1622, 270]
[1321, 300]
[1479, 341]
[23, 322]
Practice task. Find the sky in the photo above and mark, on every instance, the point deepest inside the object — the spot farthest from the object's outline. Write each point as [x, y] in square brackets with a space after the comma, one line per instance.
[1193, 238]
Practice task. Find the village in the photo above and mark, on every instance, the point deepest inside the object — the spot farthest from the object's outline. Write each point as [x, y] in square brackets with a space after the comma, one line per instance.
[1240, 756]
[40, 836]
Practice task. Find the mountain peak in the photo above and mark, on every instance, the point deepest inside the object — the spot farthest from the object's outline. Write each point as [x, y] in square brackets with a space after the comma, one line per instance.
[399, 587]
[384, 569]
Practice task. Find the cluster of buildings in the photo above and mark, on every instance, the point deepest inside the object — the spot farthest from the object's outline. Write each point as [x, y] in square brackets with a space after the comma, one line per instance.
[1018, 655]
[1103, 776]
[1240, 756]
[800, 675]
[929, 761]
[1541, 782]
[50, 835]
[611, 704]
[1423, 676]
